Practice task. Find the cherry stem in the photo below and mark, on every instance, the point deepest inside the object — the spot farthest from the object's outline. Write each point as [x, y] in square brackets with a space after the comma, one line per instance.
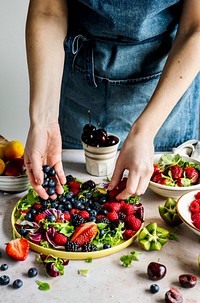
[89, 115]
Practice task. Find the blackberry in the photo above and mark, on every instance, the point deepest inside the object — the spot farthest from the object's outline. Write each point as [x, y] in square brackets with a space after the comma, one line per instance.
[72, 246]
[103, 220]
[88, 247]
[121, 216]
[69, 178]
[96, 206]
[77, 220]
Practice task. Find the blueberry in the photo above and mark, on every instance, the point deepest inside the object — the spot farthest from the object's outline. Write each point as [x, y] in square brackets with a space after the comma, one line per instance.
[54, 205]
[88, 195]
[52, 172]
[17, 283]
[32, 272]
[4, 280]
[106, 246]
[101, 233]
[93, 213]
[51, 191]
[68, 205]
[45, 203]
[46, 168]
[52, 183]
[22, 231]
[4, 267]
[154, 288]
[61, 207]
[69, 195]
[45, 183]
[33, 211]
[102, 199]
[51, 218]
[29, 216]
[92, 219]
[62, 199]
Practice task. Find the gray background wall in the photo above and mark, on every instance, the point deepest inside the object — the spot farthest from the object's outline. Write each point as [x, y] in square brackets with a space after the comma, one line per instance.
[14, 89]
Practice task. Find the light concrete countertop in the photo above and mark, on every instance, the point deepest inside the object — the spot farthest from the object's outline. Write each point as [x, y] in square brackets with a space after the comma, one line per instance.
[108, 281]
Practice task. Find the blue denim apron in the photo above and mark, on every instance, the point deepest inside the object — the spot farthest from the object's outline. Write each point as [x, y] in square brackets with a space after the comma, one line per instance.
[115, 53]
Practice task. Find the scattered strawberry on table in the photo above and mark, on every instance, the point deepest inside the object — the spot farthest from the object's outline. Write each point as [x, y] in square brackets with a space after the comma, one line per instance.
[172, 170]
[84, 218]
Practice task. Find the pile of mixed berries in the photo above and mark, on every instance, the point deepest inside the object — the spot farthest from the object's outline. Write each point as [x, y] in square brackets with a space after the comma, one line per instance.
[84, 218]
[195, 210]
[172, 170]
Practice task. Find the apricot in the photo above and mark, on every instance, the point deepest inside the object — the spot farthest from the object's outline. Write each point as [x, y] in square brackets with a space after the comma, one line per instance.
[13, 149]
[2, 166]
[14, 167]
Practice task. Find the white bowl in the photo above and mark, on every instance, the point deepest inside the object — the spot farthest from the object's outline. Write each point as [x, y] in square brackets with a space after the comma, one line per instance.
[169, 191]
[100, 160]
[183, 211]
[11, 184]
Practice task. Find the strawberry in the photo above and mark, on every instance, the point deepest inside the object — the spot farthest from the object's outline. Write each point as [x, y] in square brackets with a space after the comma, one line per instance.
[176, 171]
[18, 249]
[132, 222]
[156, 169]
[84, 233]
[84, 214]
[129, 233]
[157, 177]
[60, 239]
[112, 215]
[179, 182]
[128, 209]
[39, 217]
[192, 174]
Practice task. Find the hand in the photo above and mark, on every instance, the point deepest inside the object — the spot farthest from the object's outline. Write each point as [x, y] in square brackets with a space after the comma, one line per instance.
[136, 156]
[43, 146]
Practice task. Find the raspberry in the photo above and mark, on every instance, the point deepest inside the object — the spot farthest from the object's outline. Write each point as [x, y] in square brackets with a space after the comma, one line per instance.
[194, 206]
[84, 214]
[197, 196]
[67, 216]
[196, 222]
[132, 222]
[74, 211]
[74, 184]
[75, 190]
[128, 209]
[112, 215]
[112, 206]
[40, 217]
[37, 206]
[129, 233]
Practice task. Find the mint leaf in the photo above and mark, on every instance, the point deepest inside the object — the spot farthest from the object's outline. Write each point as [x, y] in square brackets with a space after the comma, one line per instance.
[89, 260]
[128, 259]
[84, 272]
[43, 285]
